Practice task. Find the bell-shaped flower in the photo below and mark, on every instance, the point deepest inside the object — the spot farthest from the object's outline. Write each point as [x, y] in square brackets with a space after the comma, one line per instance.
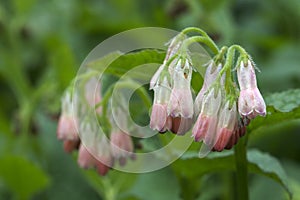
[181, 100]
[159, 117]
[226, 125]
[121, 146]
[205, 127]
[66, 128]
[85, 159]
[67, 125]
[251, 102]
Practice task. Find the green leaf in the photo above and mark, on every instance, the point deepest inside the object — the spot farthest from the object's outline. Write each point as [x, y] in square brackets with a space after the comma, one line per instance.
[212, 163]
[21, 176]
[102, 63]
[284, 101]
[282, 107]
[267, 165]
[190, 165]
[120, 64]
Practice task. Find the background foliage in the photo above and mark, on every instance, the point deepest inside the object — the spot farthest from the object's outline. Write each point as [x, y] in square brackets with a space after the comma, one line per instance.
[43, 42]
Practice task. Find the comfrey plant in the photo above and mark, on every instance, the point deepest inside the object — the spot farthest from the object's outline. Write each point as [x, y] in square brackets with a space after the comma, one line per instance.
[226, 103]
[223, 107]
[111, 117]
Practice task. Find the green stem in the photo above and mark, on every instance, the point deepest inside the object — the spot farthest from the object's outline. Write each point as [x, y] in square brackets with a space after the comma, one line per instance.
[110, 193]
[227, 69]
[220, 56]
[241, 164]
[229, 61]
[202, 39]
[241, 50]
[194, 29]
[230, 58]
[231, 55]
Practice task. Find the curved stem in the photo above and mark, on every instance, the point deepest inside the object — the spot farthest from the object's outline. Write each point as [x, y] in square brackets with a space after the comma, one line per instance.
[229, 60]
[194, 29]
[243, 53]
[205, 40]
[241, 50]
[230, 56]
[241, 164]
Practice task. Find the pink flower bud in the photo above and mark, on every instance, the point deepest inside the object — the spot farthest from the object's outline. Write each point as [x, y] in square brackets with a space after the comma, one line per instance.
[233, 139]
[66, 128]
[102, 167]
[181, 125]
[85, 158]
[201, 127]
[206, 124]
[181, 101]
[226, 125]
[251, 102]
[121, 146]
[159, 119]
[225, 135]
[67, 125]
[159, 116]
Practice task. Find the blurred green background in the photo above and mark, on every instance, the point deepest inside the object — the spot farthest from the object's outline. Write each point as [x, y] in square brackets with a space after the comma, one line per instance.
[43, 42]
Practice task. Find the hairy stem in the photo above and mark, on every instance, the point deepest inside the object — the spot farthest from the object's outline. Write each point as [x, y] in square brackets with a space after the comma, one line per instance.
[194, 29]
[202, 39]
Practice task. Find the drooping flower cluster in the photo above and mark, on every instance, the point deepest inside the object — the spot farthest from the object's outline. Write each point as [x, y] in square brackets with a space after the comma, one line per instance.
[217, 124]
[96, 150]
[218, 117]
[173, 103]
[222, 110]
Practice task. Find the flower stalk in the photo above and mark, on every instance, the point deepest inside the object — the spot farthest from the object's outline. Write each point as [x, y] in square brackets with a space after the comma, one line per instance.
[241, 164]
